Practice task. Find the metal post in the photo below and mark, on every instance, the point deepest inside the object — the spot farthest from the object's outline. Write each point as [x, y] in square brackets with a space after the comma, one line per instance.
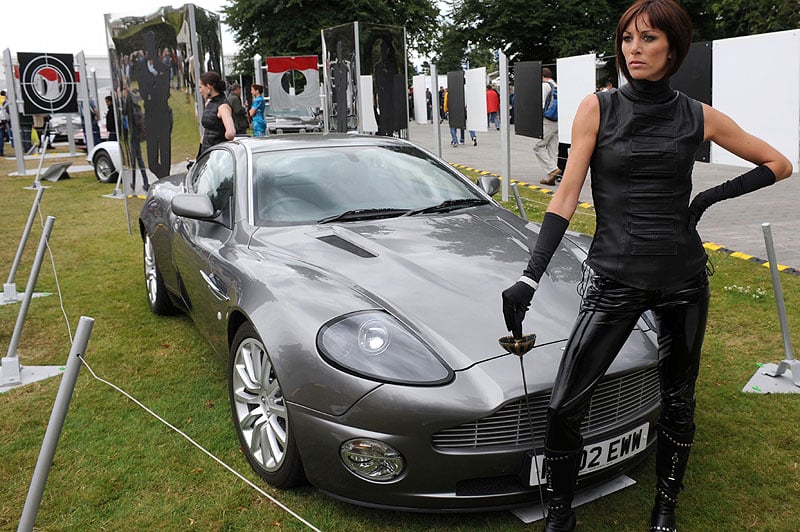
[55, 425]
[9, 289]
[10, 370]
[37, 183]
[437, 134]
[13, 112]
[83, 90]
[789, 362]
[257, 69]
[505, 139]
[519, 202]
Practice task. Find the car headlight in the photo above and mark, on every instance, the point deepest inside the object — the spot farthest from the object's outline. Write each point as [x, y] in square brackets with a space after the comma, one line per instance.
[375, 345]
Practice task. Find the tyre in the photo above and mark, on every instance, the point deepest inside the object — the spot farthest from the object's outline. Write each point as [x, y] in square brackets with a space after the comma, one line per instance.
[157, 295]
[260, 413]
[104, 168]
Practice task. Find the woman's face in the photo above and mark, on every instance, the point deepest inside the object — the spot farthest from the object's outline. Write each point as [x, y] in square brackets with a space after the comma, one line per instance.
[646, 50]
[205, 90]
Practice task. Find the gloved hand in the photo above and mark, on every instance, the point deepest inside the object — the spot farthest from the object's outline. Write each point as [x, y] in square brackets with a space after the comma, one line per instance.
[516, 300]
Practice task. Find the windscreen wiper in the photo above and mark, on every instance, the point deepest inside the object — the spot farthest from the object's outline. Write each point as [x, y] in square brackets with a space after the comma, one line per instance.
[449, 205]
[363, 214]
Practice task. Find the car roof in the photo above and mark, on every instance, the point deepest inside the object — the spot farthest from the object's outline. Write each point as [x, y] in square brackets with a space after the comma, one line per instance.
[300, 141]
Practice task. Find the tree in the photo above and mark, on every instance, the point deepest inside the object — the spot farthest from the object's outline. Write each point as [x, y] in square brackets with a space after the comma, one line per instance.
[292, 27]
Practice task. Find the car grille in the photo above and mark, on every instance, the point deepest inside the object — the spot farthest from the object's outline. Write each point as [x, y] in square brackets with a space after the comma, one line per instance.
[616, 400]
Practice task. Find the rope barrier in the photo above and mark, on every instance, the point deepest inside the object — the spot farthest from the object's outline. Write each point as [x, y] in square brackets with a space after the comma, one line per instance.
[208, 453]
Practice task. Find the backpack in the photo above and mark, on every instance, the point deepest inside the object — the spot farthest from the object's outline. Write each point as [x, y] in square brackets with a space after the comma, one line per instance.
[551, 103]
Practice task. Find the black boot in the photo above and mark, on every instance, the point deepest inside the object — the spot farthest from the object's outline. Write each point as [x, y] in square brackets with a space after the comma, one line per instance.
[561, 469]
[672, 455]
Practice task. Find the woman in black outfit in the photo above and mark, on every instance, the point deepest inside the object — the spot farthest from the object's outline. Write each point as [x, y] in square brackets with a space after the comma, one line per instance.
[217, 119]
[640, 143]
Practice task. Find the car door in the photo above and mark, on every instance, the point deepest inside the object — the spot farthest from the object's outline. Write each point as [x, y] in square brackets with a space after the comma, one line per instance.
[196, 243]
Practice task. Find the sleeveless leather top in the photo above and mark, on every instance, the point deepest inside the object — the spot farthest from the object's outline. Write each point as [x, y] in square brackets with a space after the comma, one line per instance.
[641, 173]
[213, 128]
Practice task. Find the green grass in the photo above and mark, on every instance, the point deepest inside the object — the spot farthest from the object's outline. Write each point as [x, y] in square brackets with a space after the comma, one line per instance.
[117, 468]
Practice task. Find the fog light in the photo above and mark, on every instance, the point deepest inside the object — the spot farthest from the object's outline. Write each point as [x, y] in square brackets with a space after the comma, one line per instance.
[372, 459]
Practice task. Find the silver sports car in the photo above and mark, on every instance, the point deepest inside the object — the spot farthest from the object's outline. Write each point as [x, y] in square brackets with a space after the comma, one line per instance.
[353, 284]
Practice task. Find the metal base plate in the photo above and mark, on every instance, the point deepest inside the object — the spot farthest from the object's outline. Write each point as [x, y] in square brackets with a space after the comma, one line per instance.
[533, 512]
[19, 297]
[763, 383]
[30, 374]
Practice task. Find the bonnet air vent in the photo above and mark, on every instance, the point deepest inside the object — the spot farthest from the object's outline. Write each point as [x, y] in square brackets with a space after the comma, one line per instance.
[341, 243]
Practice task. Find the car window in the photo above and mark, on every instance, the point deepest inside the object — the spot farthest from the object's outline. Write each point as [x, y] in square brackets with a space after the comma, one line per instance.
[306, 185]
[213, 176]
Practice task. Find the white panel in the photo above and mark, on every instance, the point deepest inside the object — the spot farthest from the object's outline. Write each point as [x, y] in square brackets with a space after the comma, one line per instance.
[420, 107]
[475, 97]
[576, 78]
[756, 81]
[369, 124]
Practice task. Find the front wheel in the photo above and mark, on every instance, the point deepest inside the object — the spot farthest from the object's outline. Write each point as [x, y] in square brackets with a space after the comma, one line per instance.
[157, 295]
[104, 168]
[260, 413]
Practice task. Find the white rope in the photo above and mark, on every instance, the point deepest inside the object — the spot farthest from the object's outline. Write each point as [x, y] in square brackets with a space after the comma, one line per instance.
[190, 440]
[55, 275]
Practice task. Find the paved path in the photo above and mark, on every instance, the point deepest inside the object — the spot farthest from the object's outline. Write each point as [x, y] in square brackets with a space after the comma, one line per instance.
[734, 225]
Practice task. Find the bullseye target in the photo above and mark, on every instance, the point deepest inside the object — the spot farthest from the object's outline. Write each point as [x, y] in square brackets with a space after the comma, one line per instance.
[48, 83]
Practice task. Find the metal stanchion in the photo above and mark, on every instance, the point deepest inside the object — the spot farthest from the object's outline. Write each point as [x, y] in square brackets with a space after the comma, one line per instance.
[10, 288]
[56, 424]
[789, 362]
[10, 372]
[519, 202]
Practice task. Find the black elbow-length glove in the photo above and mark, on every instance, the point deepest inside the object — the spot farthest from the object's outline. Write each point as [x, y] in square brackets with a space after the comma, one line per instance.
[517, 298]
[755, 179]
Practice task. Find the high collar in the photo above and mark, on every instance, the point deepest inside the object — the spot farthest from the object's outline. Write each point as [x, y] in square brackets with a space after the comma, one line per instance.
[642, 90]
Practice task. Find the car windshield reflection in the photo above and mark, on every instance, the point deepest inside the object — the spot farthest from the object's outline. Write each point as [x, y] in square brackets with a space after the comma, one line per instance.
[310, 185]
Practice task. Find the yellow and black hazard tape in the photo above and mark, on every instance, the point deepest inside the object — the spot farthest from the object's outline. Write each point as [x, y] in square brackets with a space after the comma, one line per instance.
[708, 245]
[749, 258]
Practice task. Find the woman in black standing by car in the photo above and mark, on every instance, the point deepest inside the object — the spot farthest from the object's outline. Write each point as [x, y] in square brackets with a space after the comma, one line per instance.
[217, 120]
[640, 143]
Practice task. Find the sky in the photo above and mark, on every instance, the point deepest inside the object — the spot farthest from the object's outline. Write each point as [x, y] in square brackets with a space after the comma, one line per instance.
[63, 26]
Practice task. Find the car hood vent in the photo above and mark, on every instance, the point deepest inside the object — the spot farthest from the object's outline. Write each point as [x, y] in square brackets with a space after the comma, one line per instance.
[346, 245]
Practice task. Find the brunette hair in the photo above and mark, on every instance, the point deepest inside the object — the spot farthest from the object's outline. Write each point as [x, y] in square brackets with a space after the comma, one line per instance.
[214, 80]
[664, 15]
[258, 88]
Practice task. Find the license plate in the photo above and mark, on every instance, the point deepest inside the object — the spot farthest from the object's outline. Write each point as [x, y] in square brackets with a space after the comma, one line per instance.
[600, 455]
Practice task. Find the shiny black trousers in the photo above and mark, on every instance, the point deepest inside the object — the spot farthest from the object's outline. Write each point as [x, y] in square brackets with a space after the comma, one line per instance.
[608, 313]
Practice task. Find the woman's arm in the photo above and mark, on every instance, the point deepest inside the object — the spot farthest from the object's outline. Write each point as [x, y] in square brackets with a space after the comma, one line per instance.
[226, 114]
[721, 129]
[584, 137]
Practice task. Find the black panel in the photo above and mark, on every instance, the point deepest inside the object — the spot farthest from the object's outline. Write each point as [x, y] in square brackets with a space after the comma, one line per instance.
[456, 101]
[694, 80]
[528, 99]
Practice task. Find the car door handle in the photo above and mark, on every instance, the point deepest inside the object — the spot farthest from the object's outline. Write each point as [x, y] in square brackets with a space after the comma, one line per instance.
[212, 285]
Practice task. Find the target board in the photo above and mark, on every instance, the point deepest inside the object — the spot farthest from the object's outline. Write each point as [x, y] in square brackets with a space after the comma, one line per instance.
[48, 83]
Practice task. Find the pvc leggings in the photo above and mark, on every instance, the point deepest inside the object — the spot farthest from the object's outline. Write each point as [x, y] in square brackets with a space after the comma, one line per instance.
[608, 313]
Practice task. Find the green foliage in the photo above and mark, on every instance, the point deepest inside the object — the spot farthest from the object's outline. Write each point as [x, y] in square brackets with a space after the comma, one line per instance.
[292, 27]
[528, 30]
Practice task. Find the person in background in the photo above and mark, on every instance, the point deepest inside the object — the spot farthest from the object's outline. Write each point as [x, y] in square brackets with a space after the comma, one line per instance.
[4, 121]
[217, 119]
[546, 148]
[646, 253]
[492, 107]
[257, 110]
[241, 119]
[111, 122]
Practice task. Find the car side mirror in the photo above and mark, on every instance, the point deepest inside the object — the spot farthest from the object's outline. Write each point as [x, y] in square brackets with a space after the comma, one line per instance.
[489, 183]
[194, 206]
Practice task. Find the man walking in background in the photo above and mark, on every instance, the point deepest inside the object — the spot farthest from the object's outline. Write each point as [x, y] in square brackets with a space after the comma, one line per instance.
[546, 148]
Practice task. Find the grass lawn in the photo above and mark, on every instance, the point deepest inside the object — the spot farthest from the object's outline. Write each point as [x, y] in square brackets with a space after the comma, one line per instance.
[117, 468]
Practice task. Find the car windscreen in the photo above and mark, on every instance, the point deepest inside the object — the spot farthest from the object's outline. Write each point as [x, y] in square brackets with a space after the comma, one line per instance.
[314, 184]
